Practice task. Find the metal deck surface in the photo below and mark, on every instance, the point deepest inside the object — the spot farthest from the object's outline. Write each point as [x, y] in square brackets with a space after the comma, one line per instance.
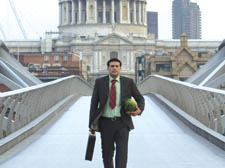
[159, 140]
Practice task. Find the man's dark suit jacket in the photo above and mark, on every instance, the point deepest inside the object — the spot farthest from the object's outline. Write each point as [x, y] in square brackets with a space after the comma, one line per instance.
[101, 94]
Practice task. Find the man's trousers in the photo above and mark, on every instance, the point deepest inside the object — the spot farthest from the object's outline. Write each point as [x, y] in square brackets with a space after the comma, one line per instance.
[114, 135]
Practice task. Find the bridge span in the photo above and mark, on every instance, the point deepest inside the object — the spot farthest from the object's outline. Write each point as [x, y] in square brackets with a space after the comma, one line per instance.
[30, 138]
[159, 140]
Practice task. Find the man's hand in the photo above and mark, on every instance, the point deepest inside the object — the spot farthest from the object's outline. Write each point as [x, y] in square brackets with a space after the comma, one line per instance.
[92, 131]
[134, 113]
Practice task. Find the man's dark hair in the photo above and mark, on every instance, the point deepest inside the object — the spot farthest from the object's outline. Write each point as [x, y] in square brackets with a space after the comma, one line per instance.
[114, 60]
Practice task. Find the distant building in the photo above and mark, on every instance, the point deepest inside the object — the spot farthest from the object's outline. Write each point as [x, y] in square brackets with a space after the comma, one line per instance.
[180, 64]
[186, 19]
[111, 28]
[4, 88]
[52, 65]
[152, 22]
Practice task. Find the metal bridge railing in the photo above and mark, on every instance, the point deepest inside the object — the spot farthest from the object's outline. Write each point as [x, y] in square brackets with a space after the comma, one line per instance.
[20, 107]
[207, 105]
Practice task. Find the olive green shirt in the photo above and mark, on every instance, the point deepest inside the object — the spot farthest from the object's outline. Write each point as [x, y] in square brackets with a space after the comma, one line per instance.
[108, 112]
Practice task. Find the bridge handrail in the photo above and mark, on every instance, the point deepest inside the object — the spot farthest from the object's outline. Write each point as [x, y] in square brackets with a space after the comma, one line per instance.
[20, 107]
[207, 105]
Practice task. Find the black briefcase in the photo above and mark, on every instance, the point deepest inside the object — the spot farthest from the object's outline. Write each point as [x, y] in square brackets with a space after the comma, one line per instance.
[90, 147]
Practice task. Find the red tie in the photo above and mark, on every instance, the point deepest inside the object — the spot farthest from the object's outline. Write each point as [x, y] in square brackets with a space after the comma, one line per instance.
[112, 102]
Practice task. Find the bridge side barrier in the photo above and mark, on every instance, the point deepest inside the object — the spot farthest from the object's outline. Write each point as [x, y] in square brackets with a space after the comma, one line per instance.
[20, 107]
[207, 105]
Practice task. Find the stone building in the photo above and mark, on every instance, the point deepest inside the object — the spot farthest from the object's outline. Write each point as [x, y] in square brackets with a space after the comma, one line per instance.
[96, 51]
[98, 30]
[180, 64]
[102, 17]
[52, 65]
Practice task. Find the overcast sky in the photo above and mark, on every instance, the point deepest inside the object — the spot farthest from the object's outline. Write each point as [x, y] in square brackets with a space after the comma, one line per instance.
[38, 16]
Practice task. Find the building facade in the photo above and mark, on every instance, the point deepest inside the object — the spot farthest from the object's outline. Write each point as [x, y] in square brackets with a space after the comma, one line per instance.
[52, 65]
[102, 17]
[186, 18]
[152, 22]
[95, 52]
[180, 64]
[100, 36]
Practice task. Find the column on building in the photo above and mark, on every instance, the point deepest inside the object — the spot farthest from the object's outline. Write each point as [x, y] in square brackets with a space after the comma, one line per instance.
[145, 13]
[134, 12]
[128, 11]
[81, 55]
[95, 61]
[68, 12]
[128, 60]
[104, 12]
[130, 63]
[60, 13]
[84, 14]
[63, 12]
[79, 12]
[121, 12]
[87, 11]
[112, 12]
[132, 68]
[96, 12]
[100, 61]
[139, 13]
[103, 60]
[73, 12]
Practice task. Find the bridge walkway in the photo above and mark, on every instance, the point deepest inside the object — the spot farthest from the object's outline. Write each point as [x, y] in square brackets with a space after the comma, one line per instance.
[159, 140]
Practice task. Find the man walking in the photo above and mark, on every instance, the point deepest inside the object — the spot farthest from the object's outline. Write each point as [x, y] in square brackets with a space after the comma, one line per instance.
[107, 114]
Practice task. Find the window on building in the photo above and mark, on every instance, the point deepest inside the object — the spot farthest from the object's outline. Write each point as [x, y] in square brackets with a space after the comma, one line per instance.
[165, 54]
[100, 17]
[200, 65]
[56, 58]
[115, 17]
[88, 68]
[46, 58]
[163, 67]
[46, 65]
[222, 86]
[131, 17]
[221, 112]
[170, 53]
[113, 54]
[183, 78]
[158, 53]
[201, 54]
[65, 58]
[37, 66]
[56, 65]
[83, 16]
[76, 17]
[107, 17]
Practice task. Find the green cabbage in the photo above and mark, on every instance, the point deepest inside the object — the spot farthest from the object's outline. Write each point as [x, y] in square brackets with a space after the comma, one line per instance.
[130, 105]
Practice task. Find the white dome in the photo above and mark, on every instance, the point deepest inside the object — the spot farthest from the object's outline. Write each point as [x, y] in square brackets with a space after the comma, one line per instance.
[102, 17]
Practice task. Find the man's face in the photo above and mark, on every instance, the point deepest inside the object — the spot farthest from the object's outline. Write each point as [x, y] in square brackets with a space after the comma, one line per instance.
[114, 69]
